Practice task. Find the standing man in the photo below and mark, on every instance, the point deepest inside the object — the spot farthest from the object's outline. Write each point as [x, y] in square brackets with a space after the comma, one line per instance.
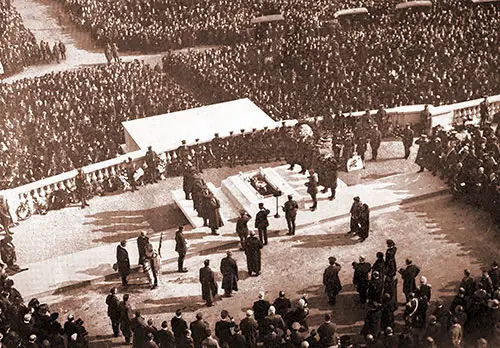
[199, 330]
[151, 159]
[130, 169]
[114, 311]
[81, 187]
[253, 253]
[409, 274]
[142, 242]
[331, 280]
[8, 253]
[375, 140]
[426, 120]
[214, 217]
[126, 314]
[123, 262]
[290, 208]
[261, 223]
[361, 278]
[260, 309]
[208, 283]
[179, 325]
[242, 227]
[484, 111]
[165, 337]
[181, 249]
[249, 329]
[407, 138]
[364, 222]
[355, 215]
[229, 270]
[327, 332]
[312, 188]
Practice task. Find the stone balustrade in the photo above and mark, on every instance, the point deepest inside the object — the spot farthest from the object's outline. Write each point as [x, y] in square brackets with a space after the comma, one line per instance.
[445, 115]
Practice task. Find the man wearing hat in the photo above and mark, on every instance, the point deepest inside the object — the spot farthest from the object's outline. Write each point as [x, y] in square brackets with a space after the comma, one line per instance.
[426, 120]
[253, 248]
[261, 223]
[229, 270]
[361, 277]
[423, 152]
[242, 227]
[409, 274]
[375, 141]
[123, 261]
[290, 208]
[355, 215]
[181, 248]
[312, 188]
[217, 147]
[208, 284]
[249, 328]
[331, 280]
[151, 159]
[407, 138]
[114, 311]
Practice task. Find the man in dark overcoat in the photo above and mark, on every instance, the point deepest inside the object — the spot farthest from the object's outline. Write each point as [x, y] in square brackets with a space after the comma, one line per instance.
[409, 274]
[407, 138]
[214, 217]
[142, 242]
[199, 330]
[242, 226]
[253, 248]
[355, 215]
[361, 277]
[126, 314]
[331, 280]
[261, 223]
[188, 181]
[229, 270]
[180, 248]
[290, 208]
[123, 262]
[375, 140]
[81, 187]
[249, 329]
[208, 283]
[114, 311]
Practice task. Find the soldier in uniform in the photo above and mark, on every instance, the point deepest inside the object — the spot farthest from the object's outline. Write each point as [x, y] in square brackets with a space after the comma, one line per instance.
[261, 223]
[123, 262]
[348, 149]
[8, 253]
[114, 311]
[130, 168]
[291, 149]
[409, 274]
[214, 217]
[422, 153]
[151, 159]
[290, 208]
[197, 191]
[241, 149]
[331, 280]
[355, 215]
[183, 153]
[218, 149]
[484, 112]
[426, 120]
[81, 187]
[361, 278]
[407, 139]
[375, 140]
[361, 146]
[187, 181]
[208, 284]
[242, 226]
[180, 248]
[232, 149]
[229, 270]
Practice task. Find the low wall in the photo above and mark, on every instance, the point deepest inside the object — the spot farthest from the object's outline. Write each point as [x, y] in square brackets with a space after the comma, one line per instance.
[445, 115]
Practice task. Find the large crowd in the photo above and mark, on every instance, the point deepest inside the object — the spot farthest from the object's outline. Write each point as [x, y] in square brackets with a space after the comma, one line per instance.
[65, 120]
[436, 58]
[18, 46]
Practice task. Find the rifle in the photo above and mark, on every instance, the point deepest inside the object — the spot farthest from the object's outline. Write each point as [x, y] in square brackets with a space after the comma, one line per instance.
[159, 246]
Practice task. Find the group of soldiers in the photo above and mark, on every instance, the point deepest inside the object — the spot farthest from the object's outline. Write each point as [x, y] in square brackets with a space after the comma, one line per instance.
[468, 160]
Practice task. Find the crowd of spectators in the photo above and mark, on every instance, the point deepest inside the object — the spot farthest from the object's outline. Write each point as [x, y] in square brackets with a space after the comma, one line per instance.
[65, 120]
[18, 46]
[157, 25]
[441, 57]
[470, 162]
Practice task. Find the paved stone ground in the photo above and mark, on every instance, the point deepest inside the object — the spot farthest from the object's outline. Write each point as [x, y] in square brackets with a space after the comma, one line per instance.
[443, 237]
[122, 216]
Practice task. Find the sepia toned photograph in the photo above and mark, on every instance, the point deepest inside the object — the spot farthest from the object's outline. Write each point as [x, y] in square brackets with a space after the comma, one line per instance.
[249, 174]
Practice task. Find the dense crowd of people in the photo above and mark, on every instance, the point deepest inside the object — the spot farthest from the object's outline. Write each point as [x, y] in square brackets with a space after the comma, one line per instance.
[469, 161]
[66, 120]
[471, 319]
[313, 72]
[18, 46]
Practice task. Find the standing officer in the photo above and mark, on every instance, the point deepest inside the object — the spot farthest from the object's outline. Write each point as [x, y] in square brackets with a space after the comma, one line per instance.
[253, 253]
[142, 242]
[375, 140]
[114, 311]
[130, 174]
[426, 120]
[360, 279]
[484, 111]
[81, 187]
[407, 138]
[290, 208]
[355, 215]
[312, 188]
[5, 217]
[180, 248]
[331, 280]
[242, 226]
[261, 223]
[409, 274]
[123, 262]
[151, 159]
[208, 283]
[229, 270]
[217, 150]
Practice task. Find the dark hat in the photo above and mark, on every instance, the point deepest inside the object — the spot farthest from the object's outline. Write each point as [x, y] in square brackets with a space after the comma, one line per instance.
[254, 129]
[231, 132]
[180, 227]
[197, 139]
[282, 293]
[206, 262]
[216, 134]
[261, 205]
[242, 130]
[183, 141]
[356, 199]
[332, 259]
[178, 312]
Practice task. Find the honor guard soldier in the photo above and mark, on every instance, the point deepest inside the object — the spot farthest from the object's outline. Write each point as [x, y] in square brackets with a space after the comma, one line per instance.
[407, 139]
[183, 156]
[81, 188]
[232, 149]
[217, 150]
[151, 159]
[375, 140]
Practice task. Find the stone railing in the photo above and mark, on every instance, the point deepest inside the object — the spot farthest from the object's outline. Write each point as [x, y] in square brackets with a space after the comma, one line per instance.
[446, 115]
